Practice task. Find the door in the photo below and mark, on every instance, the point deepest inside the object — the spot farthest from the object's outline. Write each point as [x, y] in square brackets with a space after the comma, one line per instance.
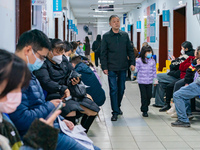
[56, 28]
[64, 28]
[23, 16]
[163, 44]
[138, 41]
[179, 30]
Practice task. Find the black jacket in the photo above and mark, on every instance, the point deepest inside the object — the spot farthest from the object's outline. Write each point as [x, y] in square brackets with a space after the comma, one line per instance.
[87, 48]
[174, 67]
[190, 72]
[96, 46]
[53, 77]
[115, 50]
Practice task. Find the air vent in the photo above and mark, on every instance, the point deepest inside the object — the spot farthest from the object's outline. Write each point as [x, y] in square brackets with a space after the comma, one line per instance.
[106, 7]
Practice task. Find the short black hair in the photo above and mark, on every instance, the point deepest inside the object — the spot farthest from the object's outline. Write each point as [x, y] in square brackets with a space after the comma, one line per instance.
[113, 16]
[68, 46]
[58, 45]
[36, 38]
[14, 70]
[145, 49]
[74, 44]
[187, 44]
[76, 60]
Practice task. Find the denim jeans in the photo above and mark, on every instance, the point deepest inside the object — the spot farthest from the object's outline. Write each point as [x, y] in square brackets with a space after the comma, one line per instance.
[66, 142]
[116, 81]
[182, 99]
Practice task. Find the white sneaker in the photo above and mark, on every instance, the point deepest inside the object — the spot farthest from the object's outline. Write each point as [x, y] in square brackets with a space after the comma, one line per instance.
[174, 115]
[172, 109]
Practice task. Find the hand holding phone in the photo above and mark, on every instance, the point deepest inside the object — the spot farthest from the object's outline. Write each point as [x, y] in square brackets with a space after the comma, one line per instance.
[60, 105]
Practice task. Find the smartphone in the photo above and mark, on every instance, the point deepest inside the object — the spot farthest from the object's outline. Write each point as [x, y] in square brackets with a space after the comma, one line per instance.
[60, 105]
[170, 57]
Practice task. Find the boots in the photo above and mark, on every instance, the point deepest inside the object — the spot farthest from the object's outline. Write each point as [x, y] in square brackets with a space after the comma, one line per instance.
[87, 121]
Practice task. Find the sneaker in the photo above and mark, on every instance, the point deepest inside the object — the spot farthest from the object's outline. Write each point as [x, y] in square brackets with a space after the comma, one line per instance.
[172, 109]
[145, 114]
[165, 108]
[174, 115]
[179, 123]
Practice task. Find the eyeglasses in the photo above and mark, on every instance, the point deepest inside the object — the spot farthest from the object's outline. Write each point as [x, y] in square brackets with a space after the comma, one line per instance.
[41, 57]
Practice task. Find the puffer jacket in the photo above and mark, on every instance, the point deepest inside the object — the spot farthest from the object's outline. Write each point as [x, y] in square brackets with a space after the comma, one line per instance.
[146, 72]
[184, 66]
[94, 87]
[53, 77]
[33, 106]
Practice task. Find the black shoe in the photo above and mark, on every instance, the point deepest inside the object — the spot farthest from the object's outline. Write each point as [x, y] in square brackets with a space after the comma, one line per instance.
[165, 108]
[179, 123]
[120, 113]
[145, 114]
[114, 117]
[154, 105]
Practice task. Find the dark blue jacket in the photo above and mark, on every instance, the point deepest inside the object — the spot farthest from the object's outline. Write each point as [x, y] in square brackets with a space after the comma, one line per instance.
[88, 77]
[33, 106]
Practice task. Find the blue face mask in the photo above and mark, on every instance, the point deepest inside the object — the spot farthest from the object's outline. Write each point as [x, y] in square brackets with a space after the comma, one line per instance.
[36, 66]
[149, 55]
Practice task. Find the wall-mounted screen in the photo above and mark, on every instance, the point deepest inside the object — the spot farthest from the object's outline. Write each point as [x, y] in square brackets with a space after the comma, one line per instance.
[196, 7]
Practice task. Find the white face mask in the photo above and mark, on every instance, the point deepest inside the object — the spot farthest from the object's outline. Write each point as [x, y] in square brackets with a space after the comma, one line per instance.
[57, 59]
[12, 102]
[182, 52]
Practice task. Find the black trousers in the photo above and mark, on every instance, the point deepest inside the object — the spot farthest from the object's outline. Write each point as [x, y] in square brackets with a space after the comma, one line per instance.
[170, 91]
[146, 94]
[97, 58]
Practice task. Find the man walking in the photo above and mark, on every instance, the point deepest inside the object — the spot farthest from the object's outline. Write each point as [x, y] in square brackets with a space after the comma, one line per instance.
[116, 50]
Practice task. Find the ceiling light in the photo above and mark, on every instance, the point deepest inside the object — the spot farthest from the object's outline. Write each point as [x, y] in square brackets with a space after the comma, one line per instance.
[100, 10]
[99, 16]
[103, 1]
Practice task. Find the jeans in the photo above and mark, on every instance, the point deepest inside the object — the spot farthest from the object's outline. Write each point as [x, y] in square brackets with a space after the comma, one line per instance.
[116, 81]
[146, 94]
[182, 99]
[179, 84]
[163, 77]
[66, 142]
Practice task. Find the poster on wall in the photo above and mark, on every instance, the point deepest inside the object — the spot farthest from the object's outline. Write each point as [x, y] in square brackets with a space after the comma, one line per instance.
[150, 24]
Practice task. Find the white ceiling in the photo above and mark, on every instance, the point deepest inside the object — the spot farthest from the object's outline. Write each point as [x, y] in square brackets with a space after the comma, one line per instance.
[83, 9]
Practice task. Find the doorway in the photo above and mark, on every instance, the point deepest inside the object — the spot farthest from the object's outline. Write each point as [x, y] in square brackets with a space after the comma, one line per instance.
[64, 28]
[179, 29]
[138, 41]
[163, 43]
[56, 28]
[23, 17]
[132, 32]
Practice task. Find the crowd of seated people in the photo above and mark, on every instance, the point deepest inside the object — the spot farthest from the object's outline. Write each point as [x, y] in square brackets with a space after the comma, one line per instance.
[39, 66]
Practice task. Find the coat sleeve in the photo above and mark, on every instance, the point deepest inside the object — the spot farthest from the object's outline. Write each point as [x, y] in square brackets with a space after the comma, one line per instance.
[47, 83]
[93, 46]
[130, 52]
[104, 54]
[24, 116]
[138, 64]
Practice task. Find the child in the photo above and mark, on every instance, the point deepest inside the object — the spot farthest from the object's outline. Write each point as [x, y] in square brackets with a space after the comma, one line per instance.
[146, 68]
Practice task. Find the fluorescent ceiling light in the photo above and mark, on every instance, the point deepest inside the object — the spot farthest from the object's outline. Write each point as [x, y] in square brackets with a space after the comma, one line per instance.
[99, 16]
[100, 10]
[104, 1]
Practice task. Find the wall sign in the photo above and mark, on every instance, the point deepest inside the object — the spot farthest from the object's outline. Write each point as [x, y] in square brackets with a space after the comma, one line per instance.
[57, 8]
[38, 2]
[166, 18]
[139, 26]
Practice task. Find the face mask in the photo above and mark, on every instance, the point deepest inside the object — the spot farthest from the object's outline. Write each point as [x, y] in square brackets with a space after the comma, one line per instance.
[37, 65]
[182, 52]
[149, 55]
[57, 59]
[12, 102]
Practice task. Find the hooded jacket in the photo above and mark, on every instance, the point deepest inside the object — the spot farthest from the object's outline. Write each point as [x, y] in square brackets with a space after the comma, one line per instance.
[94, 87]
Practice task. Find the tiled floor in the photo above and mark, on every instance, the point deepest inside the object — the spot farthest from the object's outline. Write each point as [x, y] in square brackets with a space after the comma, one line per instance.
[133, 132]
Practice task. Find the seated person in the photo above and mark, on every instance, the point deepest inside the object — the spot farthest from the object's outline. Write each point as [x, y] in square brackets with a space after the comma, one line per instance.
[15, 75]
[53, 76]
[174, 75]
[68, 50]
[33, 47]
[79, 50]
[88, 77]
[182, 98]
[75, 45]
